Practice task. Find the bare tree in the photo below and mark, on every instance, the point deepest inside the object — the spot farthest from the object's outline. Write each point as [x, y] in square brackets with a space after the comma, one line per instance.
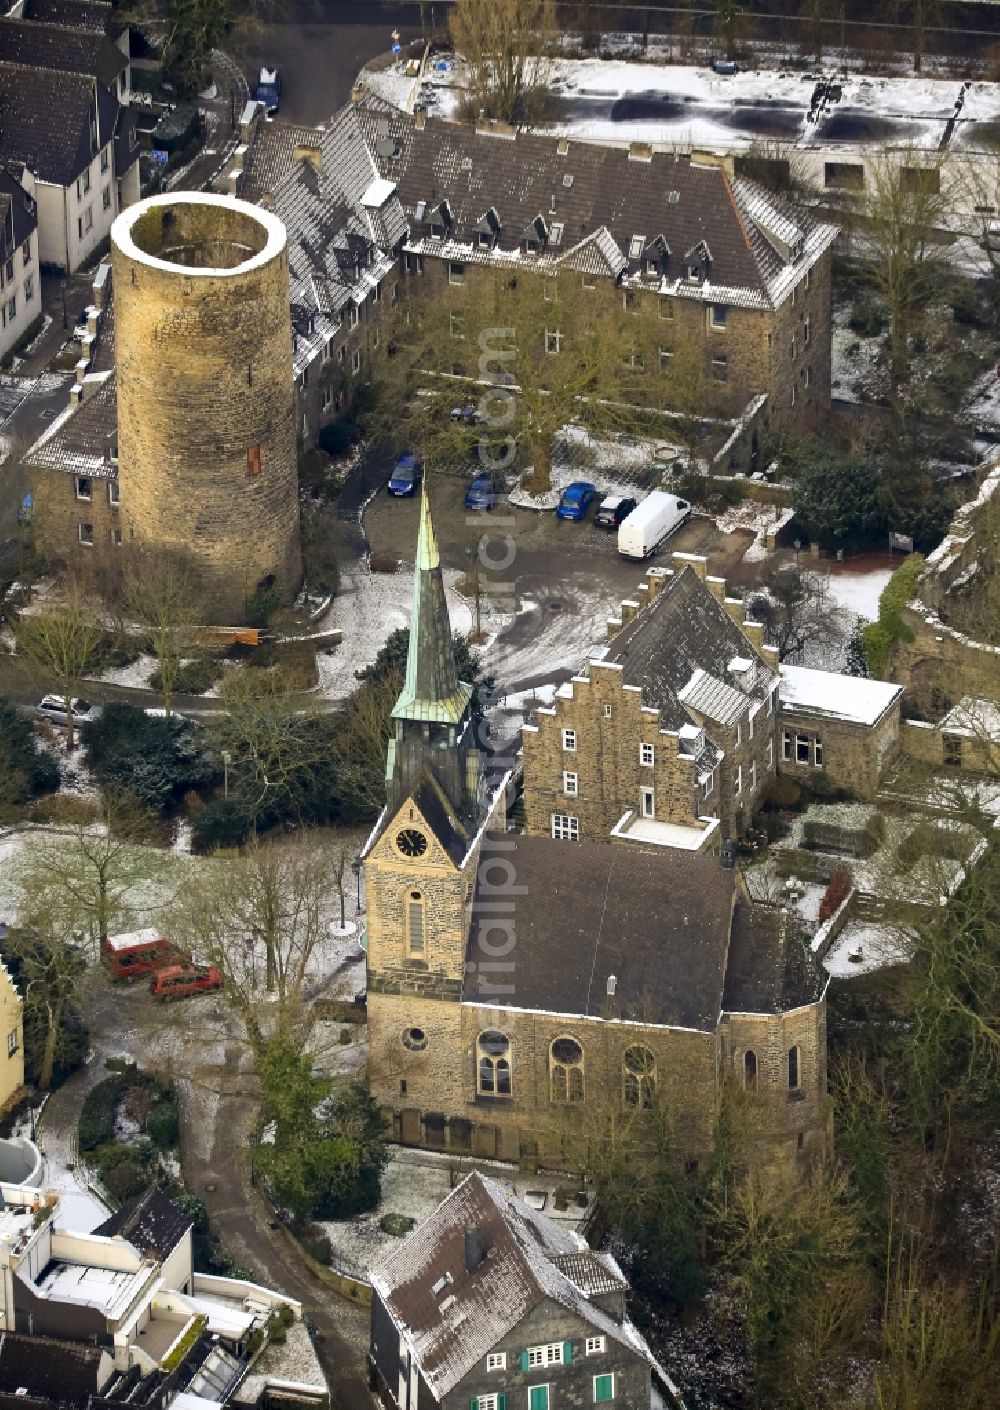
[360, 743]
[900, 246]
[50, 962]
[506, 47]
[62, 643]
[157, 588]
[795, 607]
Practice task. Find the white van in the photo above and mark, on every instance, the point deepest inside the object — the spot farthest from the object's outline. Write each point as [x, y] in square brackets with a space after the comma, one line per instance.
[650, 522]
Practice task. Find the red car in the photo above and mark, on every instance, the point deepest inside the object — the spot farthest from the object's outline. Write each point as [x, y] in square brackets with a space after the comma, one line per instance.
[180, 981]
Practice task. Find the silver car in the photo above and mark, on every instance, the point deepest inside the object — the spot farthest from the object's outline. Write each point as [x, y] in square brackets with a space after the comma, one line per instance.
[53, 707]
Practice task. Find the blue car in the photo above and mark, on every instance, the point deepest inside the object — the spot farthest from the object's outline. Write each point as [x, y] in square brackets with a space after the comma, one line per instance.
[484, 492]
[406, 477]
[576, 500]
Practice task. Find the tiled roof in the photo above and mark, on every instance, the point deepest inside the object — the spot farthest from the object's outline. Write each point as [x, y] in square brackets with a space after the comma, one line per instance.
[77, 441]
[593, 1273]
[51, 46]
[683, 630]
[452, 1328]
[584, 912]
[65, 1371]
[149, 1221]
[90, 15]
[44, 120]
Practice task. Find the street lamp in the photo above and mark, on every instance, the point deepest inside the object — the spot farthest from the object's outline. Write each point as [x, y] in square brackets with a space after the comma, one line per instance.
[227, 759]
[62, 289]
[356, 869]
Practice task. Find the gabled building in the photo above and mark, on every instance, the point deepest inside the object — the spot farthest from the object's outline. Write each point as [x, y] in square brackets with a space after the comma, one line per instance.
[523, 992]
[489, 1303]
[20, 292]
[12, 1041]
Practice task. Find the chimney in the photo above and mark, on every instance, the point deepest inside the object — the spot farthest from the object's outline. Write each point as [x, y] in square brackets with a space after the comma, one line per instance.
[475, 1248]
[420, 117]
[308, 152]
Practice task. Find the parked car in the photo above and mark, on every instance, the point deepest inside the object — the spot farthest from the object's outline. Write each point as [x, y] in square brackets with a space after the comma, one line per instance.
[612, 510]
[576, 499]
[268, 90]
[53, 707]
[485, 491]
[139, 952]
[405, 478]
[180, 981]
[650, 522]
[726, 66]
[466, 413]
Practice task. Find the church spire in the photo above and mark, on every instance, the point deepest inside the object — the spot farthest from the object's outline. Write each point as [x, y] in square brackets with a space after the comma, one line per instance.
[432, 692]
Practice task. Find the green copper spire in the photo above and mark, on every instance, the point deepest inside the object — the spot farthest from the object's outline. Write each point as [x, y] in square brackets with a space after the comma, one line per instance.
[431, 691]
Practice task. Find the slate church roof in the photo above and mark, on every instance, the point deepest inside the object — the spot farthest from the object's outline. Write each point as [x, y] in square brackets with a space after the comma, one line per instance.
[452, 1316]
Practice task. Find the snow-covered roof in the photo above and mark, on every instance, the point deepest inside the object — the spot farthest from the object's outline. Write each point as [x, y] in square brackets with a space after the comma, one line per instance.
[378, 193]
[125, 941]
[851, 698]
[709, 696]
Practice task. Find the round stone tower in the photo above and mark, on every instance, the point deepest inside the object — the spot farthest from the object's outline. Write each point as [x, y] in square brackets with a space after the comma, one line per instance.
[207, 436]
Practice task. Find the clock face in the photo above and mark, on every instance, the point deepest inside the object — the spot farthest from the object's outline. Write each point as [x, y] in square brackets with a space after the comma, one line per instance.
[411, 842]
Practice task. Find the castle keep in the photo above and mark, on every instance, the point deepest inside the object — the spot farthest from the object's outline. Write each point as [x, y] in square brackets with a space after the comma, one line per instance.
[207, 435]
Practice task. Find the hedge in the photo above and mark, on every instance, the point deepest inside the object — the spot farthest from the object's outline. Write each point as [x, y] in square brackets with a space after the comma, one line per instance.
[878, 637]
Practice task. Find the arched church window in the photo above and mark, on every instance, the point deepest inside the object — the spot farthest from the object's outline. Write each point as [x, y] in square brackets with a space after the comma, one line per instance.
[639, 1077]
[565, 1070]
[493, 1064]
[793, 1069]
[750, 1070]
[416, 924]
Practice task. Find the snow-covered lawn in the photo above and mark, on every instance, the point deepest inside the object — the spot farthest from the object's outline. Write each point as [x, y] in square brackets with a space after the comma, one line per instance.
[865, 946]
[857, 587]
[857, 371]
[133, 677]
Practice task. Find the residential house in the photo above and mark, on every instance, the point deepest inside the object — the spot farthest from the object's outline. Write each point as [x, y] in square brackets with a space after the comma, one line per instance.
[846, 727]
[524, 991]
[70, 50]
[12, 1040]
[489, 1303]
[20, 292]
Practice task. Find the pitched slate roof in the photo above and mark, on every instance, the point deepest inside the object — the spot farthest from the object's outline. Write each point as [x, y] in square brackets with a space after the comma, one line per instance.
[19, 214]
[686, 629]
[770, 969]
[585, 911]
[92, 15]
[66, 1371]
[77, 441]
[149, 1221]
[52, 46]
[756, 245]
[44, 120]
[453, 1328]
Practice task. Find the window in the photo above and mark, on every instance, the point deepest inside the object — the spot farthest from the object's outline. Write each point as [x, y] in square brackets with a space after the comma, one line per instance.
[565, 1071]
[354, 315]
[29, 288]
[12, 307]
[665, 308]
[793, 1069]
[818, 753]
[594, 1346]
[114, 493]
[538, 1398]
[793, 347]
[786, 744]
[692, 274]
[26, 251]
[88, 218]
[802, 749]
[496, 1361]
[569, 740]
[770, 755]
[720, 367]
[750, 1070]
[753, 775]
[717, 315]
[770, 699]
[808, 279]
[84, 487]
[9, 270]
[708, 787]
[807, 377]
[493, 1078]
[565, 828]
[253, 462]
[105, 159]
[630, 301]
[106, 198]
[750, 717]
[638, 1077]
[604, 1387]
[356, 361]
[647, 803]
[550, 290]
[416, 932]
[647, 754]
[394, 293]
[116, 538]
[588, 281]
[456, 272]
[847, 176]
[326, 398]
[805, 332]
[952, 750]
[377, 294]
[607, 712]
[415, 1039]
[738, 781]
[792, 399]
[554, 340]
[456, 323]
[325, 353]
[496, 1400]
[12, 1042]
[570, 784]
[414, 264]
[666, 357]
[548, 1355]
[85, 533]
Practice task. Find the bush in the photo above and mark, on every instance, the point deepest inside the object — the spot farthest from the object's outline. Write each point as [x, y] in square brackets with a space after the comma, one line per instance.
[222, 823]
[163, 1124]
[25, 771]
[339, 437]
[396, 1224]
[97, 1116]
[730, 492]
[784, 792]
[878, 637]
[193, 678]
[65, 808]
[154, 758]
[837, 498]
[318, 1247]
[835, 894]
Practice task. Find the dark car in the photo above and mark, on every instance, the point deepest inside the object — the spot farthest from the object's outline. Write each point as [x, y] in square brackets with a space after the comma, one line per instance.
[406, 477]
[485, 491]
[268, 90]
[726, 66]
[576, 499]
[613, 510]
[467, 414]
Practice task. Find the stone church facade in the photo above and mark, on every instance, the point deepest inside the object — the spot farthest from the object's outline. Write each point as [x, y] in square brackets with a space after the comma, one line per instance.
[524, 993]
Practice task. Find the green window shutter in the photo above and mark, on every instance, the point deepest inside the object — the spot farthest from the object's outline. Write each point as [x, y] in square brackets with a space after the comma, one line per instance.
[524, 1360]
[474, 1403]
[501, 1401]
[604, 1388]
[567, 1353]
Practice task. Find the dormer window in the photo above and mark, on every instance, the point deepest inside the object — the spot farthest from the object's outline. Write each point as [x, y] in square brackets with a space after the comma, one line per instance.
[693, 273]
[437, 230]
[698, 262]
[488, 229]
[636, 246]
[536, 235]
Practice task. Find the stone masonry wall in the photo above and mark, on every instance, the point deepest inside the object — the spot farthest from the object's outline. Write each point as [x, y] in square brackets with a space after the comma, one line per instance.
[206, 415]
[58, 514]
[853, 754]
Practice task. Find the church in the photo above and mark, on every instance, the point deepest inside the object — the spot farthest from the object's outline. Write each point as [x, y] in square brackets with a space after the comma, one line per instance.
[529, 994]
